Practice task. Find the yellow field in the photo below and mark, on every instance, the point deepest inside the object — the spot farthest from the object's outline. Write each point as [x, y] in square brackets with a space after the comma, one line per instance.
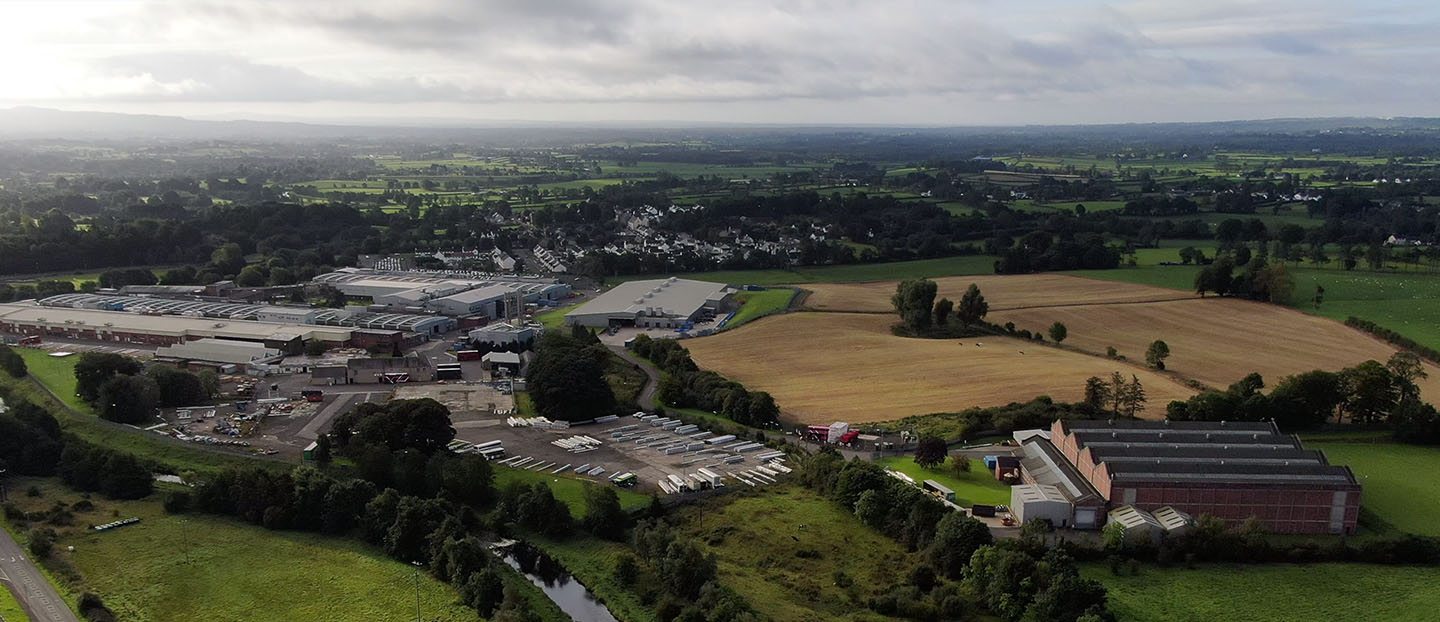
[1001, 291]
[824, 367]
[1217, 340]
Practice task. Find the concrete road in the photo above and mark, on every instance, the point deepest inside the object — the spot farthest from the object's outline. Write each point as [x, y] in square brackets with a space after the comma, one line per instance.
[35, 594]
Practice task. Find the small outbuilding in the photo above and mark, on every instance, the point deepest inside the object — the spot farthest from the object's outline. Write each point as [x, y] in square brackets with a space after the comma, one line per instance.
[1138, 524]
[1174, 521]
[1041, 502]
[501, 360]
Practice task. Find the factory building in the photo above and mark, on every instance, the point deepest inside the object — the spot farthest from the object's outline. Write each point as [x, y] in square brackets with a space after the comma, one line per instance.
[223, 355]
[1229, 470]
[452, 295]
[356, 317]
[658, 303]
[1041, 464]
[501, 334]
[139, 328]
[389, 370]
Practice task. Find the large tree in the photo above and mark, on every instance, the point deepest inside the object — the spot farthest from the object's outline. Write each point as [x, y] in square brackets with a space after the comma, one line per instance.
[914, 300]
[1058, 332]
[972, 306]
[957, 537]
[567, 379]
[12, 363]
[930, 452]
[128, 399]
[93, 369]
[1156, 354]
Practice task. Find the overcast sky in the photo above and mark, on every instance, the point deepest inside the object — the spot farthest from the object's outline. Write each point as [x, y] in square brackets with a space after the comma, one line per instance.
[913, 62]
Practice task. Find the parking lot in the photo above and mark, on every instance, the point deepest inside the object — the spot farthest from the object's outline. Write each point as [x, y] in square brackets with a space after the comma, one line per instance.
[654, 450]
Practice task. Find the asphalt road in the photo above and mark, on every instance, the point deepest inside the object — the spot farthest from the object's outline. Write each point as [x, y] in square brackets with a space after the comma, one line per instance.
[35, 594]
[646, 398]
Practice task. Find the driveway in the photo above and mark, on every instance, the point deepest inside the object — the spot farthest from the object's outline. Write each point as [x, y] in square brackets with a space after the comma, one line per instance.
[35, 594]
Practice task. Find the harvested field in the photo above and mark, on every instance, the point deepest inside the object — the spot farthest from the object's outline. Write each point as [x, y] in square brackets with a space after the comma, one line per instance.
[1001, 291]
[824, 367]
[1217, 340]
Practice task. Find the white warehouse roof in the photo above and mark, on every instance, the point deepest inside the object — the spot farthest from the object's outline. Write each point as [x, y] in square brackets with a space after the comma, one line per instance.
[219, 351]
[674, 297]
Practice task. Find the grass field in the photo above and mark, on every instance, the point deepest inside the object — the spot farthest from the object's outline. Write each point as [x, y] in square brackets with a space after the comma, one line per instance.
[568, 489]
[977, 486]
[1387, 473]
[10, 610]
[236, 571]
[1001, 291]
[758, 304]
[1273, 593]
[554, 318]
[592, 561]
[947, 266]
[823, 367]
[784, 548]
[56, 373]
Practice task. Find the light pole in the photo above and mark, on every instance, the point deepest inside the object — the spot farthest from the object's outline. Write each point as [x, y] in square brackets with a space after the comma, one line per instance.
[416, 566]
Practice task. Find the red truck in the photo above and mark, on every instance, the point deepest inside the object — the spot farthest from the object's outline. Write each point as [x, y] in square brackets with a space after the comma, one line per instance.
[467, 355]
[313, 396]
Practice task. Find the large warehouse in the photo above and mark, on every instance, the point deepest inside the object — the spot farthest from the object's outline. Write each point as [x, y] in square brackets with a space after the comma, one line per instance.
[450, 295]
[658, 303]
[356, 317]
[1228, 470]
[119, 326]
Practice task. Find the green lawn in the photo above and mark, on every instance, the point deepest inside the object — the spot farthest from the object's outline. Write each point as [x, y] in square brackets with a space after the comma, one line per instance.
[946, 266]
[592, 562]
[783, 548]
[977, 486]
[56, 373]
[554, 318]
[1273, 593]
[236, 571]
[10, 610]
[569, 489]
[1387, 473]
[757, 304]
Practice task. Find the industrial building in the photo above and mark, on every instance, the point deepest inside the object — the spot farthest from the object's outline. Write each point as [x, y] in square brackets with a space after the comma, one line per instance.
[1229, 470]
[1041, 464]
[502, 334]
[388, 370]
[451, 295]
[356, 317]
[658, 303]
[219, 354]
[1041, 502]
[139, 328]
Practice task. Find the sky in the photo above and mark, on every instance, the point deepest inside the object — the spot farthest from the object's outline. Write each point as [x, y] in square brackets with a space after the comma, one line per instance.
[893, 62]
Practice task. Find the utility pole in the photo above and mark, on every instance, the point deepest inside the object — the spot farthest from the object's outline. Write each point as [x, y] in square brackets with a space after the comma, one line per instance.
[417, 590]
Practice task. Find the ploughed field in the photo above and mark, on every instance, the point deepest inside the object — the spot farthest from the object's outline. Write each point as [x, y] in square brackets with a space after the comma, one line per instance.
[1001, 291]
[824, 367]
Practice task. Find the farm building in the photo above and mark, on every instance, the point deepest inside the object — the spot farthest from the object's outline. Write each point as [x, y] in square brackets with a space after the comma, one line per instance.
[389, 370]
[502, 334]
[93, 325]
[220, 352]
[1041, 502]
[1229, 470]
[1043, 465]
[657, 303]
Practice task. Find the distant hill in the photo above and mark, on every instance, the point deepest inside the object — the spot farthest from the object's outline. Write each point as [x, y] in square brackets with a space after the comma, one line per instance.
[44, 123]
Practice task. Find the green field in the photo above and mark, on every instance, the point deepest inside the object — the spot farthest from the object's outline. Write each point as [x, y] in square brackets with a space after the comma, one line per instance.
[10, 610]
[977, 486]
[1273, 593]
[761, 303]
[554, 318]
[571, 490]
[592, 562]
[1390, 488]
[784, 547]
[853, 273]
[1406, 302]
[236, 571]
[56, 373]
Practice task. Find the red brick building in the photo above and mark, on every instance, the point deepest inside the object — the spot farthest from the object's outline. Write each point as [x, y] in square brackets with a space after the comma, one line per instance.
[1229, 470]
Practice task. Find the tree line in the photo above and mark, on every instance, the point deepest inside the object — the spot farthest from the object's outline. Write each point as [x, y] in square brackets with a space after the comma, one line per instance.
[684, 385]
[32, 443]
[122, 390]
[1013, 579]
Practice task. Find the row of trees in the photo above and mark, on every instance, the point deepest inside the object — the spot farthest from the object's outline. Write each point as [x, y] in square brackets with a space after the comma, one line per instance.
[1370, 393]
[31, 443]
[1116, 395]
[920, 314]
[685, 385]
